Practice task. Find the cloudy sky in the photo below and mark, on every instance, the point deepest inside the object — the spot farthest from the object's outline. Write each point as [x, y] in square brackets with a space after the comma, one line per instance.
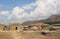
[24, 10]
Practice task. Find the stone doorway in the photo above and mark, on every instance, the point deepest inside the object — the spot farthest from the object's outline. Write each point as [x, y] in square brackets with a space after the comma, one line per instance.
[16, 28]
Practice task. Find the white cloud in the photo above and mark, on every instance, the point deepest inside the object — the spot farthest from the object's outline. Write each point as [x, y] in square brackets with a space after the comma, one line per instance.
[18, 12]
[29, 6]
[44, 8]
[4, 13]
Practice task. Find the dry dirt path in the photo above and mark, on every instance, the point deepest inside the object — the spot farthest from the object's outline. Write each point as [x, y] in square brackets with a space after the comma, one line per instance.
[27, 35]
[16, 35]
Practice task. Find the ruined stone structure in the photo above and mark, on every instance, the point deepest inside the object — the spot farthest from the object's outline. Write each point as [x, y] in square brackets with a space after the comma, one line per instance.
[34, 26]
[14, 26]
[45, 27]
[31, 27]
[2, 27]
[37, 27]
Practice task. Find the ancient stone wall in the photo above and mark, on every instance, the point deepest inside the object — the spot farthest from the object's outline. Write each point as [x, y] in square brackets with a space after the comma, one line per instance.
[2, 27]
[14, 26]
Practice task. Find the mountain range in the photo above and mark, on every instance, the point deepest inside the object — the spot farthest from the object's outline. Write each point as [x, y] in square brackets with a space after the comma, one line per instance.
[51, 20]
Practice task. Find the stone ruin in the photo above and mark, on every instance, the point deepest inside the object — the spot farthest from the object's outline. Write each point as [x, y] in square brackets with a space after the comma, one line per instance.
[31, 27]
[2, 27]
[36, 27]
[40, 27]
[14, 26]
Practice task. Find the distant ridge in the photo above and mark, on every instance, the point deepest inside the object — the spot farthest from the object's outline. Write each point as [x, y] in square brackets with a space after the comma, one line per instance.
[52, 19]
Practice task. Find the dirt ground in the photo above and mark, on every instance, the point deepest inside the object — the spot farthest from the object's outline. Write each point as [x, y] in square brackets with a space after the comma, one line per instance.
[28, 35]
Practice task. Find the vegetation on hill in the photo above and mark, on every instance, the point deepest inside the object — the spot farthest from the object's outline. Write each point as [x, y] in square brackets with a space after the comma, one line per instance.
[51, 22]
[54, 19]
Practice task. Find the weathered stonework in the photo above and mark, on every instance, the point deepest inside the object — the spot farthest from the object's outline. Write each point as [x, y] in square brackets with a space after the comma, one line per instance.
[2, 27]
[14, 26]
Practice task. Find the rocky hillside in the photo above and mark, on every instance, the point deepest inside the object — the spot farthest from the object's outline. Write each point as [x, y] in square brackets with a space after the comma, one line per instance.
[54, 17]
[51, 19]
